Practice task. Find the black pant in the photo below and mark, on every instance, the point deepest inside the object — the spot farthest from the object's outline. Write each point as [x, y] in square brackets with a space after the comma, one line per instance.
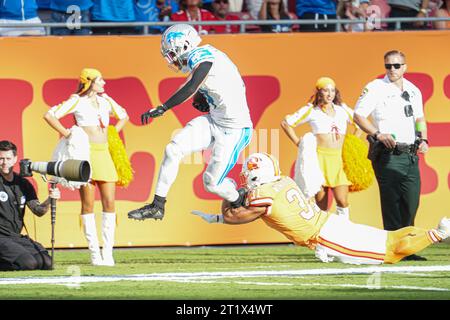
[18, 252]
[317, 27]
[399, 183]
[403, 13]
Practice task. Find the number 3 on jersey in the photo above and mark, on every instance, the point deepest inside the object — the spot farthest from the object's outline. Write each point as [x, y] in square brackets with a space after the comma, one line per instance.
[306, 212]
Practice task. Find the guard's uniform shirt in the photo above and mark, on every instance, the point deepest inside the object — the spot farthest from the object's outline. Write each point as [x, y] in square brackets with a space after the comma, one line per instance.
[13, 197]
[383, 100]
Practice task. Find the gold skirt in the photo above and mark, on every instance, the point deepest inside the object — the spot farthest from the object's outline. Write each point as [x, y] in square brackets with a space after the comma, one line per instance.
[101, 163]
[330, 162]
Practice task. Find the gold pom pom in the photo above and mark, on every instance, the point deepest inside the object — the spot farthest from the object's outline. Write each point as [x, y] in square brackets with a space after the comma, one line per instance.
[120, 158]
[356, 165]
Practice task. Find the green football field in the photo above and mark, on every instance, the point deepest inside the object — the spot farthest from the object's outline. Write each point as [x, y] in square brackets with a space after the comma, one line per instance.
[233, 272]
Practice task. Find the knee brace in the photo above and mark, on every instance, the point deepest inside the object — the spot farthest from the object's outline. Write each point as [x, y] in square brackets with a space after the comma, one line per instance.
[26, 262]
[46, 261]
[209, 184]
[173, 151]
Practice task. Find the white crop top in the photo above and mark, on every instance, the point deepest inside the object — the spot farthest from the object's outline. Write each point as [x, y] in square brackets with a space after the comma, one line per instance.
[321, 122]
[86, 114]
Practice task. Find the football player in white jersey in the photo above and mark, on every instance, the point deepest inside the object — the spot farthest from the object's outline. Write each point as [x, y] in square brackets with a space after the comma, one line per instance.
[226, 129]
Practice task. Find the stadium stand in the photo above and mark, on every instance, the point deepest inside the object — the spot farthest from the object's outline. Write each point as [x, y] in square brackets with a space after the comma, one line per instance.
[139, 12]
[221, 11]
[24, 12]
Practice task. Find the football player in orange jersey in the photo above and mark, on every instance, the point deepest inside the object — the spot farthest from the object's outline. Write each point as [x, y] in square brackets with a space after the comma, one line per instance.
[278, 201]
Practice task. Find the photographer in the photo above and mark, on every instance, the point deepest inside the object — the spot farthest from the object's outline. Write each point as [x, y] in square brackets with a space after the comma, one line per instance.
[398, 132]
[19, 252]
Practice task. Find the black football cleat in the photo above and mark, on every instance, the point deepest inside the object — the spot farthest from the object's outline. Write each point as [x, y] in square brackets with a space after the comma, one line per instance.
[149, 211]
[414, 257]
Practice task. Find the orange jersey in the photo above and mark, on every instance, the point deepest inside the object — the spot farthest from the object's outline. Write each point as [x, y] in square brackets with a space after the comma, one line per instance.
[288, 211]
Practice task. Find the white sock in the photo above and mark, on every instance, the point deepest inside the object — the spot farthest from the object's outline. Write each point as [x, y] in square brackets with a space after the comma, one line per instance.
[169, 169]
[90, 232]
[108, 232]
[343, 212]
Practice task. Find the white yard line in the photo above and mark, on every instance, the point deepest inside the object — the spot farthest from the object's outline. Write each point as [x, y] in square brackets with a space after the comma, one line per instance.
[318, 285]
[185, 276]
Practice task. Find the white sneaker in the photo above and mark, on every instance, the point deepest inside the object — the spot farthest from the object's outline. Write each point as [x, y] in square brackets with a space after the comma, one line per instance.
[444, 228]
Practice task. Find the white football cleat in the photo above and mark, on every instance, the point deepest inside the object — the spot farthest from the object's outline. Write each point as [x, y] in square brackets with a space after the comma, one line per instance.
[444, 228]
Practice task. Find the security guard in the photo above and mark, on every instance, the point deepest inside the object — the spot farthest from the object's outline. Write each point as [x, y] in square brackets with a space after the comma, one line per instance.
[19, 252]
[398, 126]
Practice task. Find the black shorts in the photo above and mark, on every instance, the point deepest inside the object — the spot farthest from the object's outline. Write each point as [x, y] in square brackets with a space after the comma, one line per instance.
[12, 247]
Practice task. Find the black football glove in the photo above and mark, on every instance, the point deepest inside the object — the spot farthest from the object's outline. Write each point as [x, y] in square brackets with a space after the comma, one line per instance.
[201, 107]
[153, 113]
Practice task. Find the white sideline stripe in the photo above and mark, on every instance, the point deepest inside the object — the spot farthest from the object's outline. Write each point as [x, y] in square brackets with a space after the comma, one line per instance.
[214, 275]
[318, 285]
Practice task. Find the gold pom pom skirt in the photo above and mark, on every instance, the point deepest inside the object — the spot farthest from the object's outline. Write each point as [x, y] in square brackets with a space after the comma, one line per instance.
[330, 162]
[101, 163]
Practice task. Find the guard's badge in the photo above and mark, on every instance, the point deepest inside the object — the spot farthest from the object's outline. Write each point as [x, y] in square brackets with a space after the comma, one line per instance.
[3, 196]
[364, 92]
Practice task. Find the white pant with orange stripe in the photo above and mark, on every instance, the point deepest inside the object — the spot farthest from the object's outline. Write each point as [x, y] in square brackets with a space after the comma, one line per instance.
[344, 241]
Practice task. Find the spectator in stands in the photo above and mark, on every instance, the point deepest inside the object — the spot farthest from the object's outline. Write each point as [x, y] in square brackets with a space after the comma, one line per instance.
[19, 11]
[378, 9]
[113, 11]
[441, 10]
[44, 11]
[207, 5]
[353, 10]
[221, 12]
[71, 12]
[316, 10]
[191, 11]
[155, 11]
[236, 5]
[254, 6]
[274, 10]
[408, 9]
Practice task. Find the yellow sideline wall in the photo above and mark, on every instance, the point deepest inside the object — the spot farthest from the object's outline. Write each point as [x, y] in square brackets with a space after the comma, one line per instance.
[280, 72]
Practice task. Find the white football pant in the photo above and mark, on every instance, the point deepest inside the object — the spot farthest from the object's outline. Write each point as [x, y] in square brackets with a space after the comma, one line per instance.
[199, 134]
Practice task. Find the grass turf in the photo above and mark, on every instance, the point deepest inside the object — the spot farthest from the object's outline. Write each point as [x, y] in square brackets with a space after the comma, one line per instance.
[413, 285]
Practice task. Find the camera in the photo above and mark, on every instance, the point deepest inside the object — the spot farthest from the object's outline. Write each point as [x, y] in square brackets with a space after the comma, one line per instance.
[71, 170]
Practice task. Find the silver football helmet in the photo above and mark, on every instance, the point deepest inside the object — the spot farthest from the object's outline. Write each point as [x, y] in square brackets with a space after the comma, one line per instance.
[176, 43]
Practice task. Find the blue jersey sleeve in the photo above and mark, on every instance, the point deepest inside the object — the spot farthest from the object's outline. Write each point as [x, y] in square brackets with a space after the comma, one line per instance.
[198, 56]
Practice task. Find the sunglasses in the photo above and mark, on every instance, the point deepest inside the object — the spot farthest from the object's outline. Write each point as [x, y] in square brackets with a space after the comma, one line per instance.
[389, 66]
[221, 1]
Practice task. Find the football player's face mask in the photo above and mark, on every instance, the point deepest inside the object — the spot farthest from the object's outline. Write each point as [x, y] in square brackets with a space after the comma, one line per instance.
[176, 44]
[259, 168]
[175, 63]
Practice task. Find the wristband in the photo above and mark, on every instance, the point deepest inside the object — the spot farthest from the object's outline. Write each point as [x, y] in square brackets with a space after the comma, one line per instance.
[421, 126]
